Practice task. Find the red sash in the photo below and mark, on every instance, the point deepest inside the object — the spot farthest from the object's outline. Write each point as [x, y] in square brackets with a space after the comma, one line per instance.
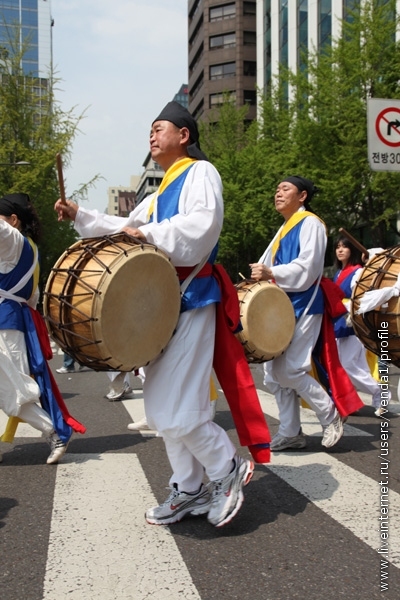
[184, 272]
[47, 353]
[344, 273]
[344, 395]
[234, 375]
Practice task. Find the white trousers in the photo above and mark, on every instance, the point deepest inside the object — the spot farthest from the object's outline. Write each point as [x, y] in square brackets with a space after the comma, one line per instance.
[177, 403]
[118, 379]
[353, 359]
[287, 378]
[19, 393]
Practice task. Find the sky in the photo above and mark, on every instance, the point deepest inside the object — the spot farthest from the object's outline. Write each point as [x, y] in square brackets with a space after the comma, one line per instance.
[118, 62]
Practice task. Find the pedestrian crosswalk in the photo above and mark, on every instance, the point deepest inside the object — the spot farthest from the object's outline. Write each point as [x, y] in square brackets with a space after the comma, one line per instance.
[349, 497]
[100, 546]
[346, 495]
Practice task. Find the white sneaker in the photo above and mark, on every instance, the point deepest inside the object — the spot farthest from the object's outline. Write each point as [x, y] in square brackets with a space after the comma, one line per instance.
[177, 505]
[280, 442]
[141, 425]
[333, 432]
[378, 411]
[65, 370]
[119, 394]
[58, 448]
[227, 495]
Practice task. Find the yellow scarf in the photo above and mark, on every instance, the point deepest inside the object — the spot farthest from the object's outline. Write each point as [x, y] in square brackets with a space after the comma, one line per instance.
[37, 269]
[171, 174]
[288, 226]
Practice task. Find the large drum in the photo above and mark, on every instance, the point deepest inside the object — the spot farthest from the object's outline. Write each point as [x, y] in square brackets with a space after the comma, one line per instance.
[379, 329]
[268, 320]
[112, 303]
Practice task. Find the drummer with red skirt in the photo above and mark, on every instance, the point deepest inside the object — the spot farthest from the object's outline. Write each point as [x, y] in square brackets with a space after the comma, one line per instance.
[184, 219]
[294, 261]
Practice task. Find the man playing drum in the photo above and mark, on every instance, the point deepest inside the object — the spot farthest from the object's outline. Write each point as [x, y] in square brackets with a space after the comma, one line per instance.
[184, 219]
[295, 260]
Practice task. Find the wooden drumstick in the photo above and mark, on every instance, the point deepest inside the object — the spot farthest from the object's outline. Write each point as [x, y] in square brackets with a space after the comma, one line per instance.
[355, 242]
[60, 178]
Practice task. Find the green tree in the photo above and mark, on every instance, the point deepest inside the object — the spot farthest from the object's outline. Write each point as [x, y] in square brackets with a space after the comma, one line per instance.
[330, 128]
[312, 123]
[233, 146]
[33, 129]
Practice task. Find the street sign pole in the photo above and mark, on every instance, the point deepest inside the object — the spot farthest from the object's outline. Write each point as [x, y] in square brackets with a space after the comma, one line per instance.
[383, 118]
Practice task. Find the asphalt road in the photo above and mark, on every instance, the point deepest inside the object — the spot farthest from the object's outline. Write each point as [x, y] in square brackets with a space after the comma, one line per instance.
[308, 529]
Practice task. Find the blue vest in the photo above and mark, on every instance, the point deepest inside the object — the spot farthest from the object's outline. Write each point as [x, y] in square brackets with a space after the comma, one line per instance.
[340, 326]
[202, 290]
[289, 249]
[11, 311]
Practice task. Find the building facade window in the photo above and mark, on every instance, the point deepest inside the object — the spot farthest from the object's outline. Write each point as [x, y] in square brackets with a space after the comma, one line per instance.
[218, 99]
[302, 47]
[222, 41]
[196, 32]
[250, 97]
[198, 111]
[222, 71]
[249, 8]
[267, 42]
[249, 38]
[224, 11]
[349, 7]
[283, 32]
[197, 85]
[196, 59]
[324, 23]
[249, 68]
[194, 10]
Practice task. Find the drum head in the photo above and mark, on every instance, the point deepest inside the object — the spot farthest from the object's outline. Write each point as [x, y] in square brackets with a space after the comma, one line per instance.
[268, 320]
[137, 309]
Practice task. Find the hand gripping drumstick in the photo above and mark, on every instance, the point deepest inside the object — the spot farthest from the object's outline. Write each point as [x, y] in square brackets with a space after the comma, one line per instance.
[355, 242]
[60, 178]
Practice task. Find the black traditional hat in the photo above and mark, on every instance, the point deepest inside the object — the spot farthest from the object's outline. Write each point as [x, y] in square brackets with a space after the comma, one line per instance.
[302, 185]
[17, 204]
[181, 117]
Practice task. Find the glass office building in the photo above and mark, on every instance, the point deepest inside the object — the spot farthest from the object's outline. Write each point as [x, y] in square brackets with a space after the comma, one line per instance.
[287, 29]
[30, 22]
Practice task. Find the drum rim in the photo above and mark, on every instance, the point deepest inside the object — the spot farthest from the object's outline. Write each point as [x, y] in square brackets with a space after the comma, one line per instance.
[365, 326]
[81, 247]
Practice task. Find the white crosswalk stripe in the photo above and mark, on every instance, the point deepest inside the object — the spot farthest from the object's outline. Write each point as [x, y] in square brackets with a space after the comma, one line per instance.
[100, 537]
[23, 431]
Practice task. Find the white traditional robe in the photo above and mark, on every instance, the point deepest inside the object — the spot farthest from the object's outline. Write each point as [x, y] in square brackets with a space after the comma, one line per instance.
[177, 383]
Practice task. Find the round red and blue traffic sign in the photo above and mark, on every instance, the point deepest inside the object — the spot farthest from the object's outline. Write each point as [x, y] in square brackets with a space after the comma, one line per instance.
[387, 126]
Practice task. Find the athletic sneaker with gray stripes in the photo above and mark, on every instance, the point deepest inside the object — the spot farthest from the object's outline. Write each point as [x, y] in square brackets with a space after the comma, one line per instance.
[57, 447]
[178, 504]
[227, 495]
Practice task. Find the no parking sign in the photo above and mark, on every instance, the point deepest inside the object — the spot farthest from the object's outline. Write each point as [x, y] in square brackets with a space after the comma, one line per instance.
[383, 134]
